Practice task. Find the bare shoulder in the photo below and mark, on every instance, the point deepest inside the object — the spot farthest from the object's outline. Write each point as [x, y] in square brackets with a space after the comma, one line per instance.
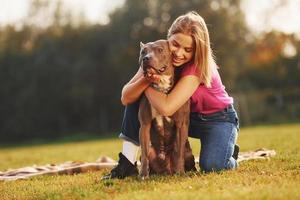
[189, 82]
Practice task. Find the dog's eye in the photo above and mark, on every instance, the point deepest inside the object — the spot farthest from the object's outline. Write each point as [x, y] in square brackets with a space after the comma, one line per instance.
[160, 50]
[162, 69]
[143, 51]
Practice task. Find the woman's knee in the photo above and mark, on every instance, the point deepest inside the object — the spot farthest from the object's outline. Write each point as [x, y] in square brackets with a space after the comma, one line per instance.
[210, 165]
[215, 165]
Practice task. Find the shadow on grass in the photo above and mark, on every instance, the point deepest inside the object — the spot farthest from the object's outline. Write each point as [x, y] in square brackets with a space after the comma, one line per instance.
[77, 137]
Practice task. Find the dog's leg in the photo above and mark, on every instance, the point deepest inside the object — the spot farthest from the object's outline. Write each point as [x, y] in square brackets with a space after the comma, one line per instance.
[145, 142]
[160, 129]
[168, 168]
[181, 137]
[145, 119]
[182, 122]
[189, 159]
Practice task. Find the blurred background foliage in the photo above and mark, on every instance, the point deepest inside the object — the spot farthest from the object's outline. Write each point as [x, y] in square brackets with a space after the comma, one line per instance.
[67, 77]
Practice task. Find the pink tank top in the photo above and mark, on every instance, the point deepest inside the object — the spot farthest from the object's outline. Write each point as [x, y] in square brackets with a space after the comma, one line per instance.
[208, 100]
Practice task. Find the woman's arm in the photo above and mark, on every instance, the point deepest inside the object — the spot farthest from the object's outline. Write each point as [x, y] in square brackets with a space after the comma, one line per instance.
[136, 86]
[168, 104]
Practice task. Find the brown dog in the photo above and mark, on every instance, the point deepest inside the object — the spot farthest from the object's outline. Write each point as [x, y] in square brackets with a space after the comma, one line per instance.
[164, 144]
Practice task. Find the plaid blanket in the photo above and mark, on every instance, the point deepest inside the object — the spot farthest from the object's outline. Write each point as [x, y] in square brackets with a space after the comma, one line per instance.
[103, 162]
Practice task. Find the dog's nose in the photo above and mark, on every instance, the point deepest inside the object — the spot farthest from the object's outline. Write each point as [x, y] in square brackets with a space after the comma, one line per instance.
[146, 58]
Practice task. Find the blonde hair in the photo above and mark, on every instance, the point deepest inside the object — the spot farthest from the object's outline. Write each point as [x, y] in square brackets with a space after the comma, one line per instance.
[194, 25]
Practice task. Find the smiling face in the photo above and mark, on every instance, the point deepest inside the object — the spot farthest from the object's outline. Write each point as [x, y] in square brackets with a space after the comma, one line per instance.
[182, 48]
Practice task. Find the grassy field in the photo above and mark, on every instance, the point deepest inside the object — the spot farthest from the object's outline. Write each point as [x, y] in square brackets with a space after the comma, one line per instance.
[277, 178]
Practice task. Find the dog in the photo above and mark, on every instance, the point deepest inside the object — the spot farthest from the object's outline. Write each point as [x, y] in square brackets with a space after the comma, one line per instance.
[164, 139]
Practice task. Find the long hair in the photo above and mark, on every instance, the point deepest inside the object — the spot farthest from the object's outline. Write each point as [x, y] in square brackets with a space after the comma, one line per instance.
[194, 25]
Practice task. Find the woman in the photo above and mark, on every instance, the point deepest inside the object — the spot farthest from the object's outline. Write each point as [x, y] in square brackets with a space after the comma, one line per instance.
[213, 119]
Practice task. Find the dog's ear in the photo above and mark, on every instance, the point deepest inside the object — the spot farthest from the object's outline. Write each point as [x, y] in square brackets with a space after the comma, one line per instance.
[142, 44]
[168, 45]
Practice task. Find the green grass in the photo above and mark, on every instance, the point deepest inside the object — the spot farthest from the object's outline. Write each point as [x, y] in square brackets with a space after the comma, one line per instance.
[277, 178]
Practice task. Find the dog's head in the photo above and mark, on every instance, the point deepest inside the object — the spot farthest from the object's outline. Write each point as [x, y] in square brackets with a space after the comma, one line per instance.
[157, 56]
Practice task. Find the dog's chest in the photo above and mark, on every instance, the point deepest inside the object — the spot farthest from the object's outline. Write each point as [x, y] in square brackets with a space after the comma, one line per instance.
[165, 84]
[162, 134]
[158, 117]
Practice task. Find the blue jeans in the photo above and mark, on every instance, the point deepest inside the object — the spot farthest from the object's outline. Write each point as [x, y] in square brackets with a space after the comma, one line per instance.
[217, 133]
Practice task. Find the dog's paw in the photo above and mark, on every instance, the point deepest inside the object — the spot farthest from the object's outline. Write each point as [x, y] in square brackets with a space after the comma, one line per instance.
[143, 178]
[179, 169]
[180, 172]
[144, 173]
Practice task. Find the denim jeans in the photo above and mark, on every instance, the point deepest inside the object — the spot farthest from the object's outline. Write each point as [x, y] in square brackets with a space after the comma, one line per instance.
[217, 133]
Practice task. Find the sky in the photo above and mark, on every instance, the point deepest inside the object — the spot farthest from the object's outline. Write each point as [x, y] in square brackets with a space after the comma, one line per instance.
[264, 15]
[12, 11]
[260, 15]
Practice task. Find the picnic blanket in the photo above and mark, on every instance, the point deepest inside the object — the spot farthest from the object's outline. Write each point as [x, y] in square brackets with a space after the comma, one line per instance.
[104, 162]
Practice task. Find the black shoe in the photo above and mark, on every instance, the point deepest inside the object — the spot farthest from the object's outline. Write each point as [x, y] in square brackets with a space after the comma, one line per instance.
[124, 169]
[236, 151]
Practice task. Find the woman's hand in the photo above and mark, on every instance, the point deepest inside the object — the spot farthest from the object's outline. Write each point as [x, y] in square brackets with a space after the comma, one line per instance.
[152, 76]
[136, 86]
